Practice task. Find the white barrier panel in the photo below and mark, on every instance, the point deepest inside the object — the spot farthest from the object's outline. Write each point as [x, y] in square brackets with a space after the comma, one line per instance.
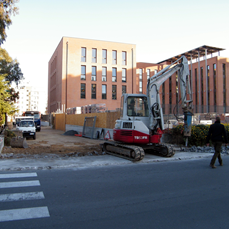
[1, 144]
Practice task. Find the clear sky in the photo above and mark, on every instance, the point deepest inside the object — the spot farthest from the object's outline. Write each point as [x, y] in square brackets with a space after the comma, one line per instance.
[159, 28]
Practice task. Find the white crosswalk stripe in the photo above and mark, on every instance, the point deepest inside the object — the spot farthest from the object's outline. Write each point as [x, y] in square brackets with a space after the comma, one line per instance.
[17, 184]
[21, 213]
[21, 196]
[24, 213]
[17, 175]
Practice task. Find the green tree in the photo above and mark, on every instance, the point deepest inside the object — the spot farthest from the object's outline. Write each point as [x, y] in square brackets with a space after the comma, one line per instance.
[9, 68]
[7, 8]
[6, 103]
[9, 72]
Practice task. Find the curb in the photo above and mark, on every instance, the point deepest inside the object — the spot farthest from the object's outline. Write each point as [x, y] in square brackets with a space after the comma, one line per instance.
[88, 162]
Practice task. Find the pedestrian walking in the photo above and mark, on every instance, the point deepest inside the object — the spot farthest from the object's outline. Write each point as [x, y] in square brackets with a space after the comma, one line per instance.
[216, 133]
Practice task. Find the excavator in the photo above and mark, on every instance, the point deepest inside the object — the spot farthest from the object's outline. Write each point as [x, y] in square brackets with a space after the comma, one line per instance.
[141, 122]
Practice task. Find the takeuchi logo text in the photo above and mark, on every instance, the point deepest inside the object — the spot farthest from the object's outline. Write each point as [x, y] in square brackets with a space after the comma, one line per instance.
[140, 137]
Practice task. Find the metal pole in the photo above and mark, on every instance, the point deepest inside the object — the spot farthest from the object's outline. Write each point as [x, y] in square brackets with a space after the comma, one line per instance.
[132, 70]
[191, 77]
[199, 79]
[206, 67]
[66, 77]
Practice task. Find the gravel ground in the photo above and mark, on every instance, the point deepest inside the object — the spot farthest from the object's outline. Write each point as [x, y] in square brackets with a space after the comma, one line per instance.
[52, 143]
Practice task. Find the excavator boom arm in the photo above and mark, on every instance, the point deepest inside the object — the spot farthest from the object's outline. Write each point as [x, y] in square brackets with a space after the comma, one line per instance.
[153, 87]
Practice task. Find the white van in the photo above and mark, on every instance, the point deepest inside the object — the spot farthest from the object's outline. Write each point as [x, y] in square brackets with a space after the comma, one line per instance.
[28, 128]
[19, 118]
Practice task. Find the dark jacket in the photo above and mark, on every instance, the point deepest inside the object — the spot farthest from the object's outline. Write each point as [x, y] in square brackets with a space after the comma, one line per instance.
[216, 133]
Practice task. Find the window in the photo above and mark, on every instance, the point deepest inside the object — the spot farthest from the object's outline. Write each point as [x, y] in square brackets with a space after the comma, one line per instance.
[202, 88]
[196, 87]
[140, 74]
[137, 106]
[177, 93]
[104, 91]
[140, 80]
[123, 58]
[140, 86]
[170, 95]
[148, 74]
[224, 87]
[123, 89]
[124, 75]
[83, 91]
[208, 86]
[93, 73]
[94, 55]
[104, 74]
[83, 72]
[163, 94]
[93, 91]
[114, 92]
[114, 57]
[104, 56]
[114, 74]
[83, 54]
[214, 85]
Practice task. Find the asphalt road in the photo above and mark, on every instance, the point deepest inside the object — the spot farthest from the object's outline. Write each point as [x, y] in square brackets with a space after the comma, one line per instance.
[177, 194]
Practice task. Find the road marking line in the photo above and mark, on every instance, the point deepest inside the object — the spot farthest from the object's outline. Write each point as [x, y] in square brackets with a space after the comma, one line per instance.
[21, 196]
[17, 175]
[24, 213]
[19, 184]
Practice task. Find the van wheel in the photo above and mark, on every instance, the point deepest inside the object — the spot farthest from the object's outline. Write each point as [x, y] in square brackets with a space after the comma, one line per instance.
[34, 136]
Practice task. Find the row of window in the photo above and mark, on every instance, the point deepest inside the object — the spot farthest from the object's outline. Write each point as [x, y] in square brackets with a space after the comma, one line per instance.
[141, 77]
[104, 56]
[104, 91]
[196, 80]
[104, 74]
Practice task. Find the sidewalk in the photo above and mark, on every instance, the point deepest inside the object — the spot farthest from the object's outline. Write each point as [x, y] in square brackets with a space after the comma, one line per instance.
[50, 148]
[89, 161]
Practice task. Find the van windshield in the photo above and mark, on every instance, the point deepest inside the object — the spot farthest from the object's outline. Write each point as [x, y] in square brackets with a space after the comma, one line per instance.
[26, 124]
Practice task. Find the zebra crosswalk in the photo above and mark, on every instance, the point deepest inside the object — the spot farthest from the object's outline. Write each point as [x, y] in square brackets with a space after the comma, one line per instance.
[21, 213]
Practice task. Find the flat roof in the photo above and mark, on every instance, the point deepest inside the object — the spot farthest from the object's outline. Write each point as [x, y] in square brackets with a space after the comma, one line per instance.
[194, 53]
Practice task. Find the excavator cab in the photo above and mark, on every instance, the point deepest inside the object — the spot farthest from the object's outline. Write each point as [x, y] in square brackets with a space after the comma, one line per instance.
[137, 106]
[134, 105]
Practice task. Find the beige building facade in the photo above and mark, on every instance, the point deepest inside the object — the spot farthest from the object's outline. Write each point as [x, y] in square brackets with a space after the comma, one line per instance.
[83, 72]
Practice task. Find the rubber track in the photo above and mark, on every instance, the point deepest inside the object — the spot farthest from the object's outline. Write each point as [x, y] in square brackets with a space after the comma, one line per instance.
[164, 150]
[139, 152]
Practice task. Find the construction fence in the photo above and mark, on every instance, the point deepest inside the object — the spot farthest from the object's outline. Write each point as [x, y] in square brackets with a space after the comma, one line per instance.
[104, 120]
[107, 119]
[97, 124]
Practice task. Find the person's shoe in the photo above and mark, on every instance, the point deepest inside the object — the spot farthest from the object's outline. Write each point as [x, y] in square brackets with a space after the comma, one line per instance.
[221, 164]
[212, 166]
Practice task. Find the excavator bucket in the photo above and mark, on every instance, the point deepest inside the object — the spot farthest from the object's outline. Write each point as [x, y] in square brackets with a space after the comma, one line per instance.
[18, 142]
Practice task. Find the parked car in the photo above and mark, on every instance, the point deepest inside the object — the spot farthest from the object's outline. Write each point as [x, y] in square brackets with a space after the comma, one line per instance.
[28, 128]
